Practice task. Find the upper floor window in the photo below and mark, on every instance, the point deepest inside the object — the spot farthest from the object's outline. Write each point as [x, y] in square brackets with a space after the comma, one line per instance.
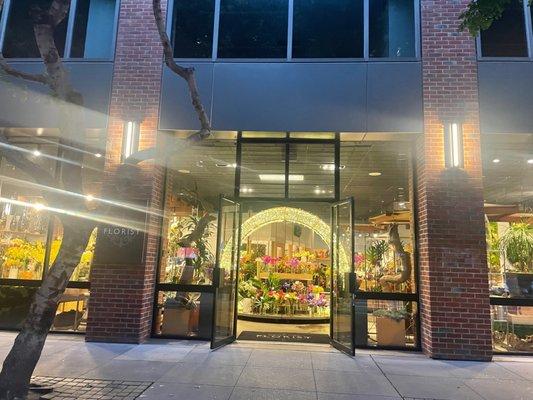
[192, 28]
[328, 29]
[87, 32]
[253, 29]
[507, 36]
[299, 29]
[392, 28]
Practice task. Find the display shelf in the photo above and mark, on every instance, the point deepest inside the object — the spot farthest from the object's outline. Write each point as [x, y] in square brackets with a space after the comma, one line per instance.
[287, 276]
[284, 319]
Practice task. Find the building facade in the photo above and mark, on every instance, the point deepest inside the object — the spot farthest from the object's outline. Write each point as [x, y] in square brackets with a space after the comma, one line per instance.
[369, 175]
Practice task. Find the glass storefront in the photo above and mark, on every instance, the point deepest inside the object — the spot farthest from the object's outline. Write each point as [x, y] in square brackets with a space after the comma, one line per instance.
[30, 237]
[508, 190]
[286, 184]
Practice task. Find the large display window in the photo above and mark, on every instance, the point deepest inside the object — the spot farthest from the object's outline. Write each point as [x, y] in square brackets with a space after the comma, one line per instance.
[30, 235]
[508, 192]
[286, 184]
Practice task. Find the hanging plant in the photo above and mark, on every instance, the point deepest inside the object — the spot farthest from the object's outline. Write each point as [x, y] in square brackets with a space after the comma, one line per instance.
[517, 244]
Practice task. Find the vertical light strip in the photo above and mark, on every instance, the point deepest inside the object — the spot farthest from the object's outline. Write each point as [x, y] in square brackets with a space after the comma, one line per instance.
[290, 25]
[128, 146]
[455, 144]
[3, 21]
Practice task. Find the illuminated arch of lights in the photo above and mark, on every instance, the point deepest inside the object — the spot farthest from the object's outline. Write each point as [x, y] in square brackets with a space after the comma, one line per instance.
[284, 214]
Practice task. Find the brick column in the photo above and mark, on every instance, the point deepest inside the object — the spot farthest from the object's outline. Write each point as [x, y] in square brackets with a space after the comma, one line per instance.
[120, 307]
[455, 312]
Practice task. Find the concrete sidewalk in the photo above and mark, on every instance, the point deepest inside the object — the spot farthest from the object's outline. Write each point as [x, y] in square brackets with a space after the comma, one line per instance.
[188, 370]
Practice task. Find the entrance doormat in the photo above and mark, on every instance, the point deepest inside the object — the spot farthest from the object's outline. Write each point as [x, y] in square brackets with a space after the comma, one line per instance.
[284, 337]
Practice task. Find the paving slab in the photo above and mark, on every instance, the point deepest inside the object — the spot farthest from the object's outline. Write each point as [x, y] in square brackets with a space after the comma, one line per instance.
[181, 391]
[433, 388]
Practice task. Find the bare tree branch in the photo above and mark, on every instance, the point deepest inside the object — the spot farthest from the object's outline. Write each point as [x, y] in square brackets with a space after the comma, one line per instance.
[187, 73]
[40, 78]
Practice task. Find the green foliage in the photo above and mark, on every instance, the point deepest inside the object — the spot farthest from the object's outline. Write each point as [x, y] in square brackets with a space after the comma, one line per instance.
[517, 243]
[480, 14]
[396, 314]
[376, 251]
[493, 250]
[273, 282]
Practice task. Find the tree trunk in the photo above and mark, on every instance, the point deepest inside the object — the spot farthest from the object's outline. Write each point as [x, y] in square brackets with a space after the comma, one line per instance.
[26, 351]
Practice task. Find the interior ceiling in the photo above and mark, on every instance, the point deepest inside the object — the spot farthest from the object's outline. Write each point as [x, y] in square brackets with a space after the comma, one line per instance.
[209, 170]
[509, 181]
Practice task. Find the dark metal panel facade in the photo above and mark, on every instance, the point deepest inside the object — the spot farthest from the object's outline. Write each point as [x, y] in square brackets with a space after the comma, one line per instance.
[298, 96]
[26, 104]
[506, 96]
[394, 97]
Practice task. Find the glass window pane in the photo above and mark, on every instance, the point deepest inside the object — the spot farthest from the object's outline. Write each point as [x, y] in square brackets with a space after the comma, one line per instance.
[194, 181]
[253, 29]
[508, 195]
[192, 28]
[385, 323]
[82, 271]
[392, 28]
[71, 314]
[507, 36]
[19, 39]
[263, 170]
[16, 301]
[23, 221]
[512, 328]
[377, 175]
[311, 170]
[184, 314]
[328, 29]
[93, 29]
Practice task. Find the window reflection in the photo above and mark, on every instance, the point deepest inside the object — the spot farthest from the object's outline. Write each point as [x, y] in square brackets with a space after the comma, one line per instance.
[392, 28]
[253, 29]
[506, 37]
[23, 219]
[192, 28]
[328, 29]
[195, 179]
[377, 175]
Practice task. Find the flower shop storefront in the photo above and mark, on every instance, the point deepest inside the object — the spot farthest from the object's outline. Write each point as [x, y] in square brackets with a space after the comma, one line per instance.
[289, 237]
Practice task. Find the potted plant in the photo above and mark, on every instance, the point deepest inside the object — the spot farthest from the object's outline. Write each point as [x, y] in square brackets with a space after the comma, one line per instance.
[181, 315]
[517, 245]
[390, 326]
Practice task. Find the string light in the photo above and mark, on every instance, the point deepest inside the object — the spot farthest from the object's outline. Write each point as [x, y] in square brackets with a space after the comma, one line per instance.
[284, 214]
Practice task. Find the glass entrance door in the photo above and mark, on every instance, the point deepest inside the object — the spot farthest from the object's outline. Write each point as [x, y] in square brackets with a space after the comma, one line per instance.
[225, 275]
[342, 276]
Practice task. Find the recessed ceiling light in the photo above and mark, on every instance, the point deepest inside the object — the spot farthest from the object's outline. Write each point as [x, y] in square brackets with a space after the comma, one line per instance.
[36, 153]
[247, 190]
[496, 160]
[40, 131]
[97, 155]
[530, 161]
[376, 173]
[184, 171]
[89, 197]
[280, 177]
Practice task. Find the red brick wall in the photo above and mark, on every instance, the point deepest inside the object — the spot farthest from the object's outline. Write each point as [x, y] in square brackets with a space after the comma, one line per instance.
[455, 317]
[121, 301]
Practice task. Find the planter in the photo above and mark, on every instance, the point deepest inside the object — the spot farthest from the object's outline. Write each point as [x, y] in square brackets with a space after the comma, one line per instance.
[520, 284]
[176, 321]
[390, 332]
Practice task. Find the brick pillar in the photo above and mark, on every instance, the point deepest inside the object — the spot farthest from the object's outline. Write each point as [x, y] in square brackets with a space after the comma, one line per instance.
[455, 312]
[121, 303]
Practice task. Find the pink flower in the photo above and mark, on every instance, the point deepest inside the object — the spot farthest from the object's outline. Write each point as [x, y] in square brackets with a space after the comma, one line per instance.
[294, 262]
[188, 252]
